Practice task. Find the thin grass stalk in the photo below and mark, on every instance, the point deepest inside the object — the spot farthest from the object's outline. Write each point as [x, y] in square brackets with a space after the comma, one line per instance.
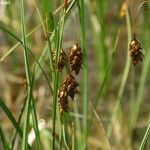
[29, 51]
[60, 134]
[142, 82]
[19, 121]
[146, 137]
[27, 70]
[44, 53]
[46, 30]
[107, 73]
[81, 7]
[102, 128]
[36, 128]
[101, 49]
[64, 137]
[73, 136]
[5, 144]
[36, 28]
[78, 127]
[49, 27]
[59, 34]
[35, 121]
[124, 77]
[11, 117]
[147, 134]
[40, 17]
[140, 91]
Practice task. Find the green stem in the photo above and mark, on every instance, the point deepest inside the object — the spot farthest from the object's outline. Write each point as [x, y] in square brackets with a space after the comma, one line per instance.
[146, 137]
[27, 70]
[85, 72]
[59, 34]
[124, 78]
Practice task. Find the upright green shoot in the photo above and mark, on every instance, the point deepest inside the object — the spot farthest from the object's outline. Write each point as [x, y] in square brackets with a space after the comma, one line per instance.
[146, 137]
[59, 35]
[27, 70]
[81, 7]
[124, 77]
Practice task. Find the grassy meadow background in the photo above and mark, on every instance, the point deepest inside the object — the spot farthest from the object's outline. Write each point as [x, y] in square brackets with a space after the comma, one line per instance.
[112, 109]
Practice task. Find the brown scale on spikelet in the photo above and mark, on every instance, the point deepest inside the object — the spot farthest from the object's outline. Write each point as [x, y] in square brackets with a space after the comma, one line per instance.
[71, 84]
[136, 51]
[68, 88]
[63, 102]
[76, 58]
[62, 59]
[63, 105]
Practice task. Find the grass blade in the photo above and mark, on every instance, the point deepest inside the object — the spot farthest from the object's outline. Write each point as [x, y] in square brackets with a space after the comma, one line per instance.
[3, 140]
[11, 117]
[19, 121]
[124, 77]
[35, 120]
[146, 137]
[27, 70]
[56, 73]
[85, 71]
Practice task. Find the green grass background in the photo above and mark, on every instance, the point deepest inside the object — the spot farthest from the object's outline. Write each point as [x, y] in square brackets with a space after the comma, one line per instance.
[112, 109]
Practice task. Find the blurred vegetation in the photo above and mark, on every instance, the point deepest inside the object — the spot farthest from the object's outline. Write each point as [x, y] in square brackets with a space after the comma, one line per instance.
[111, 110]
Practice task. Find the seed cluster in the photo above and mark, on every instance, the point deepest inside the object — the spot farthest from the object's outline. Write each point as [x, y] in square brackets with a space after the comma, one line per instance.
[62, 59]
[67, 89]
[75, 58]
[69, 86]
[136, 51]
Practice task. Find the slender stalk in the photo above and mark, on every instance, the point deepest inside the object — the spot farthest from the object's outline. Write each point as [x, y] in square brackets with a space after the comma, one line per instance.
[36, 28]
[73, 136]
[29, 51]
[19, 121]
[35, 125]
[27, 70]
[64, 137]
[11, 117]
[107, 73]
[101, 49]
[141, 89]
[6, 146]
[85, 72]
[59, 34]
[49, 27]
[124, 78]
[146, 137]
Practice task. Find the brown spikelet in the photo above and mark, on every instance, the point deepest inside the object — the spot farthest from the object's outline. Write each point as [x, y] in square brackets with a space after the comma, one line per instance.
[67, 89]
[71, 84]
[63, 102]
[136, 51]
[76, 58]
[62, 59]
[63, 105]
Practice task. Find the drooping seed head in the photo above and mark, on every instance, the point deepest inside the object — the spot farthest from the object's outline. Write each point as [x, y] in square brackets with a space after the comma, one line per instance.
[62, 59]
[136, 51]
[76, 58]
